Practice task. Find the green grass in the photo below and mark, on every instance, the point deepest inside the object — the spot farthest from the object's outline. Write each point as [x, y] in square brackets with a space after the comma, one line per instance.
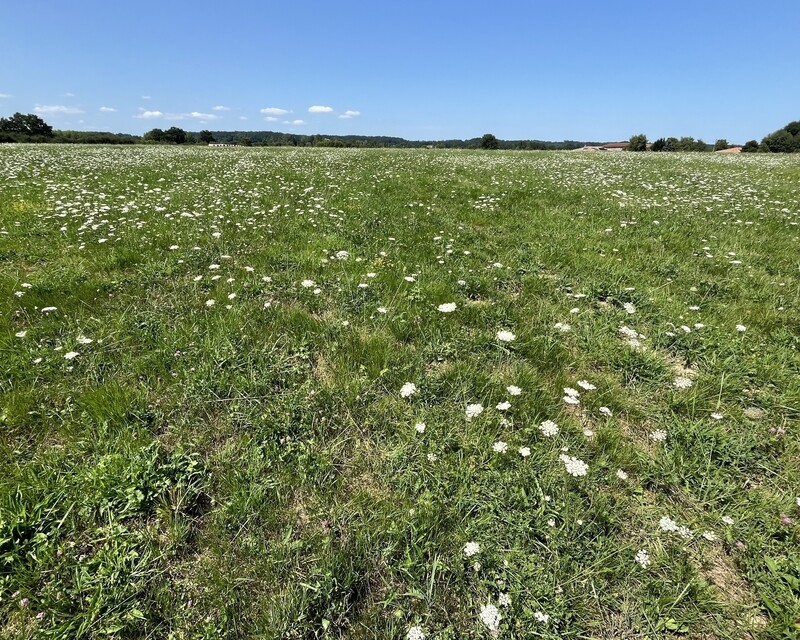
[249, 469]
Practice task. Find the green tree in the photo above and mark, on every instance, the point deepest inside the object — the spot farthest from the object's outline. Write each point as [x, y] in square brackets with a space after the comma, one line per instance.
[721, 144]
[175, 135]
[30, 126]
[206, 136]
[154, 136]
[637, 143]
[780, 141]
[489, 141]
[793, 128]
[659, 145]
[751, 146]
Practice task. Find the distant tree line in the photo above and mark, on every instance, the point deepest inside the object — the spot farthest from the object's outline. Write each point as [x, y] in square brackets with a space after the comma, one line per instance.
[785, 140]
[31, 128]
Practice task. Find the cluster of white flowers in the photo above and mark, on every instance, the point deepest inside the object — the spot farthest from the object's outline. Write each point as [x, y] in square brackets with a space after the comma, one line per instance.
[471, 548]
[408, 389]
[490, 616]
[574, 466]
[606, 411]
[549, 428]
[682, 382]
[420, 427]
[513, 391]
[524, 451]
[629, 308]
[473, 410]
[571, 396]
[447, 307]
[415, 633]
[642, 558]
[668, 524]
[541, 617]
[500, 447]
[503, 406]
[505, 336]
[659, 435]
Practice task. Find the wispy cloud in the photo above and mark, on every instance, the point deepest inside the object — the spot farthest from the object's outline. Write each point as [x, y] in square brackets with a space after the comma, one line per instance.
[350, 114]
[320, 109]
[146, 97]
[271, 119]
[149, 115]
[6, 95]
[274, 111]
[220, 107]
[107, 109]
[69, 95]
[52, 109]
[293, 122]
[201, 116]
[242, 117]
[191, 115]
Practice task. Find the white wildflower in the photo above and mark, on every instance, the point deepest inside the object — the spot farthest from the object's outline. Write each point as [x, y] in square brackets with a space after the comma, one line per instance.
[729, 521]
[622, 475]
[574, 466]
[524, 451]
[503, 406]
[682, 382]
[71, 354]
[659, 435]
[504, 600]
[447, 307]
[490, 616]
[741, 328]
[500, 447]
[415, 633]
[541, 617]
[474, 410]
[642, 558]
[584, 384]
[420, 427]
[606, 411]
[710, 536]
[667, 524]
[210, 303]
[563, 327]
[408, 389]
[629, 308]
[548, 428]
[505, 336]
[471, 548]
[307, 284]
[21, 334]
[513, 391]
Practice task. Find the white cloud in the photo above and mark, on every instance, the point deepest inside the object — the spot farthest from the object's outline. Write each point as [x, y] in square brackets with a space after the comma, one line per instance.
[220, 107]
[320, 109]
[6, 95]
[146, 97]
[107, 109]
[200, 116]
[271, 119]
[350, 114]
[69, 95]
[274, 111]
[149, 115]
[242, 117]
[56, 109]
[293, 122]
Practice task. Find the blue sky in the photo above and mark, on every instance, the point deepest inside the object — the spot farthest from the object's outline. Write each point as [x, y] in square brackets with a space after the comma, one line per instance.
[538, 69]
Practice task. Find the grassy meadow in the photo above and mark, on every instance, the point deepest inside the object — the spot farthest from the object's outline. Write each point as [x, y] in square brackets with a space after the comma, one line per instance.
[318, 393]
